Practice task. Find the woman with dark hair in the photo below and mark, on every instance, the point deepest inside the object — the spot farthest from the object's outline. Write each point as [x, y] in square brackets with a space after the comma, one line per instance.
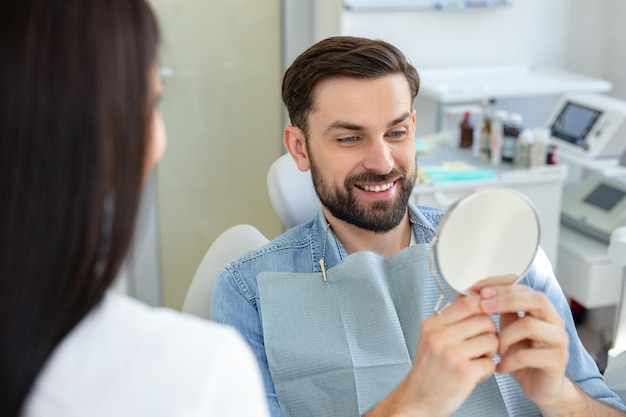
[79, 133]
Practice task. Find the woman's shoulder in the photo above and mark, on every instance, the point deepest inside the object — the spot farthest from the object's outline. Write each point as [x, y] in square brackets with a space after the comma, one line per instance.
[140, 356]
[126, 316]
[176, 340]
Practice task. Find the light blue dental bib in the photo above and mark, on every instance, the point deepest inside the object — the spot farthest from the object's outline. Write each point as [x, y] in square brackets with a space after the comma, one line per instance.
[336, 348]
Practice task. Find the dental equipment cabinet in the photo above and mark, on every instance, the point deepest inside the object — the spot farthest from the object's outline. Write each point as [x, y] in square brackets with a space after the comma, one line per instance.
[453, 90]
[573, 102]
[535, 89]
[581, 262]
[590, 131]
[542, 184]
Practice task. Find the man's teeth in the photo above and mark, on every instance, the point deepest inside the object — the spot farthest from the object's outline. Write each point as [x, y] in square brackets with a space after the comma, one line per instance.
[378, 188]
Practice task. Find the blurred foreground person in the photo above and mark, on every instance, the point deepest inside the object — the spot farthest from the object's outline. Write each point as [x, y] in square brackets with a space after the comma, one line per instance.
[79, 134]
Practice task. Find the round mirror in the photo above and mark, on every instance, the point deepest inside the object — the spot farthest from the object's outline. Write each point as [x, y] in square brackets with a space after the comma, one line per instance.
[492, 232]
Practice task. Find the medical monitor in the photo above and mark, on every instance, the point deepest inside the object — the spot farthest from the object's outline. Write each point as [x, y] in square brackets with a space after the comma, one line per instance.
[605, 197]
[595, 206]
[589, 125]
[574, 123]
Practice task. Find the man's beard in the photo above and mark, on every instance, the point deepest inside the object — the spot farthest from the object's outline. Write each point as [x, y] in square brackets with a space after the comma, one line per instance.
[379, 216]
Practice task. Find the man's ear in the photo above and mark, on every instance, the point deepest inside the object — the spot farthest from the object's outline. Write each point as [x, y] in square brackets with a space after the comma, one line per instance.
[295, 143]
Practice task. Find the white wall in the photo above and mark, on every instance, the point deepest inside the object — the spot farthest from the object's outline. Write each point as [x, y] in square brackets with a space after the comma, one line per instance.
[586, 43]
[532, 31]
[615, 48]
[529, 31]
[596, 39]
[577, 35]
[222, 110]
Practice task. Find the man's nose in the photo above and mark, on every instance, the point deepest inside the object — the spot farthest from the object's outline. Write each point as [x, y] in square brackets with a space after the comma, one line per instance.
[378, 157]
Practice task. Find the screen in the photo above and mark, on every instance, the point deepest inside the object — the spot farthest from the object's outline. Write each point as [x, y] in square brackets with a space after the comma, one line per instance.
[605, 197]
[574, 122]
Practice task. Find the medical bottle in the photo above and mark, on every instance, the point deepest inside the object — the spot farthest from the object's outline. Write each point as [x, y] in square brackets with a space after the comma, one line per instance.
[497, 136]
[538, 149]
[523, 146]
[467, 131]
[485, 130]
[485, 133]
[551, 158]
[512, 129]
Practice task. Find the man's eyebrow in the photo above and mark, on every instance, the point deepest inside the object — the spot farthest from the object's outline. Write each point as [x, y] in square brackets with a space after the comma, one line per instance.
[343, 126]
[355, 127]
[400, 119]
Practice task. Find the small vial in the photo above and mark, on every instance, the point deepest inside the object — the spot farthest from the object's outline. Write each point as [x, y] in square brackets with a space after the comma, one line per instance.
[512, 130]
[551, 158]
[467, 131]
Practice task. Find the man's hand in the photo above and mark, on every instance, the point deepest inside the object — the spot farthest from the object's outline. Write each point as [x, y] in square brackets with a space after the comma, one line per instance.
[456, 348]
[454, 353]
[533, 342]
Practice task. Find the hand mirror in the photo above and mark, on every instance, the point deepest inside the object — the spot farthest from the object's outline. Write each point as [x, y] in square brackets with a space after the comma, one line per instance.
[491, 232]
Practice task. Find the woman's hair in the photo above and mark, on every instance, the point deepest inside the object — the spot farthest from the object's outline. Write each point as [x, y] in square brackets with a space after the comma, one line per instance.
[337, 57]
[75, 109]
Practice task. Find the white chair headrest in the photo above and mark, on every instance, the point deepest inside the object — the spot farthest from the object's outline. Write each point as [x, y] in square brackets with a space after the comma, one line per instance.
[291, 192]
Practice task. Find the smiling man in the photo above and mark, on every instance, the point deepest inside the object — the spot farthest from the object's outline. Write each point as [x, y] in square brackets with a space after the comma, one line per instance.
[362, 158]
[339, 310]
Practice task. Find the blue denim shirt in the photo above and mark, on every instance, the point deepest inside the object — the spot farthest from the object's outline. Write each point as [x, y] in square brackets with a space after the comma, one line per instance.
[236, 295]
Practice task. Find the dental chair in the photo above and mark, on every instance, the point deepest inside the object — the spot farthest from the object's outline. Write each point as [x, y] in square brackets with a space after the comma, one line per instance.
[294, 199]
[291, 192]
[233, 242]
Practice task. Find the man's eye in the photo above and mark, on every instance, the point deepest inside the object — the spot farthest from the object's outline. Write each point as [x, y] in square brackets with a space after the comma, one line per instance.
[398, 134]
[348, 140]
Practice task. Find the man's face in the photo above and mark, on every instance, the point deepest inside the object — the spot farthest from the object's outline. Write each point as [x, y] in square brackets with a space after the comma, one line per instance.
[361, 147]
